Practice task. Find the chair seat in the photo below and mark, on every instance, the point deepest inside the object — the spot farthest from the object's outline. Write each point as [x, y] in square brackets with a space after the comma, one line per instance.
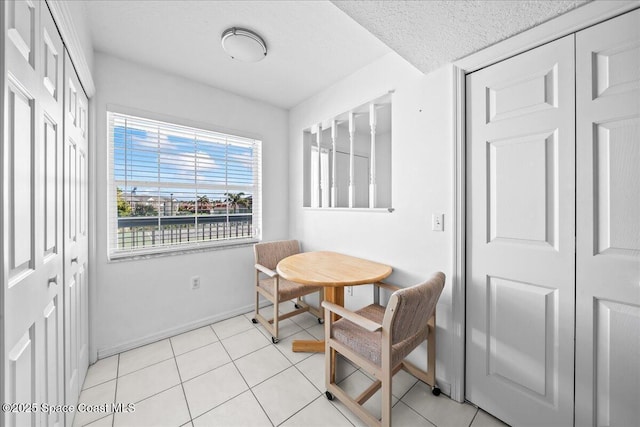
[288, 290]
[369, 344]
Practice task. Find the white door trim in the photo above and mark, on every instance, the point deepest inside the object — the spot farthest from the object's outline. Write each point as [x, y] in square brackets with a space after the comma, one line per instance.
[578, 19]
[458, 248]
[64, 21]
[584, 16]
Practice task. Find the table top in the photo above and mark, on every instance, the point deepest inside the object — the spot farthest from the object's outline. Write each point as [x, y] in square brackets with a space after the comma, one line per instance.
[331, 269]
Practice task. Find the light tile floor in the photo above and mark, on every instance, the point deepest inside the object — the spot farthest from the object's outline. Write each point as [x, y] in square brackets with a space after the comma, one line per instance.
[230, 374]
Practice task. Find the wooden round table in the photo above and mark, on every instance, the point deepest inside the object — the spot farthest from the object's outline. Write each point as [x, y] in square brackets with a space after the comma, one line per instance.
[333, 271]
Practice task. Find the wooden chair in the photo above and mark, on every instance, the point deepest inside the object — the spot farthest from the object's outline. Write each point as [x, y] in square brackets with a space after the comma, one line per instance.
[278, 290]
[378, 339]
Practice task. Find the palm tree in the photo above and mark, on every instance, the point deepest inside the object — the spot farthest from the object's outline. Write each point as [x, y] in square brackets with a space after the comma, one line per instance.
[246, 202]
[235, 199]
[203, 203]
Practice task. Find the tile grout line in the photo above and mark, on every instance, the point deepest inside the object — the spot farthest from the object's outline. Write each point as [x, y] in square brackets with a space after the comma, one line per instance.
[154, 394]
[280, 351]
[115, 396]
[180, 376]
[474, 417]
[146, 366]
[322, 395]
[249, 388]
[411, 407]
[295, 365]
[225, 364]
[365, 374]
[416, 412]
[184, 393]
[178, 369]
[245, 380]
[309, 404]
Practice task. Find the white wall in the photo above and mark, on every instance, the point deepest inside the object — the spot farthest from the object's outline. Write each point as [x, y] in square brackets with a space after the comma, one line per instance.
[422, 143]
[144, 300]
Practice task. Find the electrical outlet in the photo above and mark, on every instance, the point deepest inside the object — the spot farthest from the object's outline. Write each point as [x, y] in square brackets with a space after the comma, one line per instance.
[195, 282]
[350, 291]
[437, 222]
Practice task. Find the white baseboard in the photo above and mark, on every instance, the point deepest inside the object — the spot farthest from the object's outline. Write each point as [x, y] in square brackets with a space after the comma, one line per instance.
[167, 333]
[444, 387]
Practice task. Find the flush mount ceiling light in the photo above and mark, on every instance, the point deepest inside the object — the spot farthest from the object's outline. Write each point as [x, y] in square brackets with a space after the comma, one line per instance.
[243, 45]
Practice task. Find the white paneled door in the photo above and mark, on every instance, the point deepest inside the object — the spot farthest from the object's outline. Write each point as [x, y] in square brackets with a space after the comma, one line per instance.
[75, 234]
[32, 212]
[608, 223]
[520, 241]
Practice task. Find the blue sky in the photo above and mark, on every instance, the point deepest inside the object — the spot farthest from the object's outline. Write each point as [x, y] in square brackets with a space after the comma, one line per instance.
[173, 156]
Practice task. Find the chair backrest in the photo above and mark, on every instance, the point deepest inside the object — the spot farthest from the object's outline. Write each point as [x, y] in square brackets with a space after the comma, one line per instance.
[410, 309]
[269, 254]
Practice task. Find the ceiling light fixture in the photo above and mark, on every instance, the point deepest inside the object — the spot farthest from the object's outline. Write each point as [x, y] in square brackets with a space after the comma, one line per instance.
[243, 45]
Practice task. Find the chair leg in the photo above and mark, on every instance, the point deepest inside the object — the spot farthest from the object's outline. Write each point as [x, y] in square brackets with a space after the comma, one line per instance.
[330, 355]
[431, 355]
[316, 311]
[276, 308]
[385, 420]
[256, 312]
[321, 311]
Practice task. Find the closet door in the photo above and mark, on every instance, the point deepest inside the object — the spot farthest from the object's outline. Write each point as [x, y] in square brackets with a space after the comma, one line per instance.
[75, 233]
[32, 265]
[608, 223]
[520, 241]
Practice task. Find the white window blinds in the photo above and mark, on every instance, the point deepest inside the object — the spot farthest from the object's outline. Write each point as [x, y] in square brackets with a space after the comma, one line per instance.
[174, 186]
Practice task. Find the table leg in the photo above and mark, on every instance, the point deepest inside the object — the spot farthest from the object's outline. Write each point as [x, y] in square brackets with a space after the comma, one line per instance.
[334, 294]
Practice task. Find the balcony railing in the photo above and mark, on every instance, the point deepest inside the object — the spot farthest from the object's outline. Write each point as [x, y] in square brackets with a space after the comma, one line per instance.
[145, 231]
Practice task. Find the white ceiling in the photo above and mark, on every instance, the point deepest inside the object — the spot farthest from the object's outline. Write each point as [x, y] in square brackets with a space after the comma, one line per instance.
[312, 44]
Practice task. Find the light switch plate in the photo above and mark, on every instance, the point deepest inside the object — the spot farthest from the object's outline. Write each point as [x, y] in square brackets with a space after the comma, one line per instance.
[437, 222]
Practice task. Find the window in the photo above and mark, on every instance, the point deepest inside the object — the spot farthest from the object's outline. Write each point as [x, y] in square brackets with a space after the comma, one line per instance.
[175, 187]
[320, 178]
[347, 158]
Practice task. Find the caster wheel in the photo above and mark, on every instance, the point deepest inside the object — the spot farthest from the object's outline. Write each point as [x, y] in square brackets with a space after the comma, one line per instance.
[275, 340]
[296, 306]
[254, 320]
[321, 321]
[436, 391]
[329, 395]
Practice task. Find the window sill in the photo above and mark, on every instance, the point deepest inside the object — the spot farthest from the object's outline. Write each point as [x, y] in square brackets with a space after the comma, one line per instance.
[182, 250]
[371, 210]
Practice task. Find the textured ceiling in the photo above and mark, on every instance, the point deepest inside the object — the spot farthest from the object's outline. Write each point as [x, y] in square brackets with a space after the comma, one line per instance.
[430, 34]
[311, 44]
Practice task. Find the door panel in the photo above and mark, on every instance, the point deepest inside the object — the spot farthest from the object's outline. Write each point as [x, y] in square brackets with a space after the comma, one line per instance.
[608, 225]
[515, 163]
[51, 178]
[22, 26]
[50, 206]
[525, 361]
[21, 375]
[53, 391]
[520, 241]
[76, 239]
[32, 216]
[22, 131]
